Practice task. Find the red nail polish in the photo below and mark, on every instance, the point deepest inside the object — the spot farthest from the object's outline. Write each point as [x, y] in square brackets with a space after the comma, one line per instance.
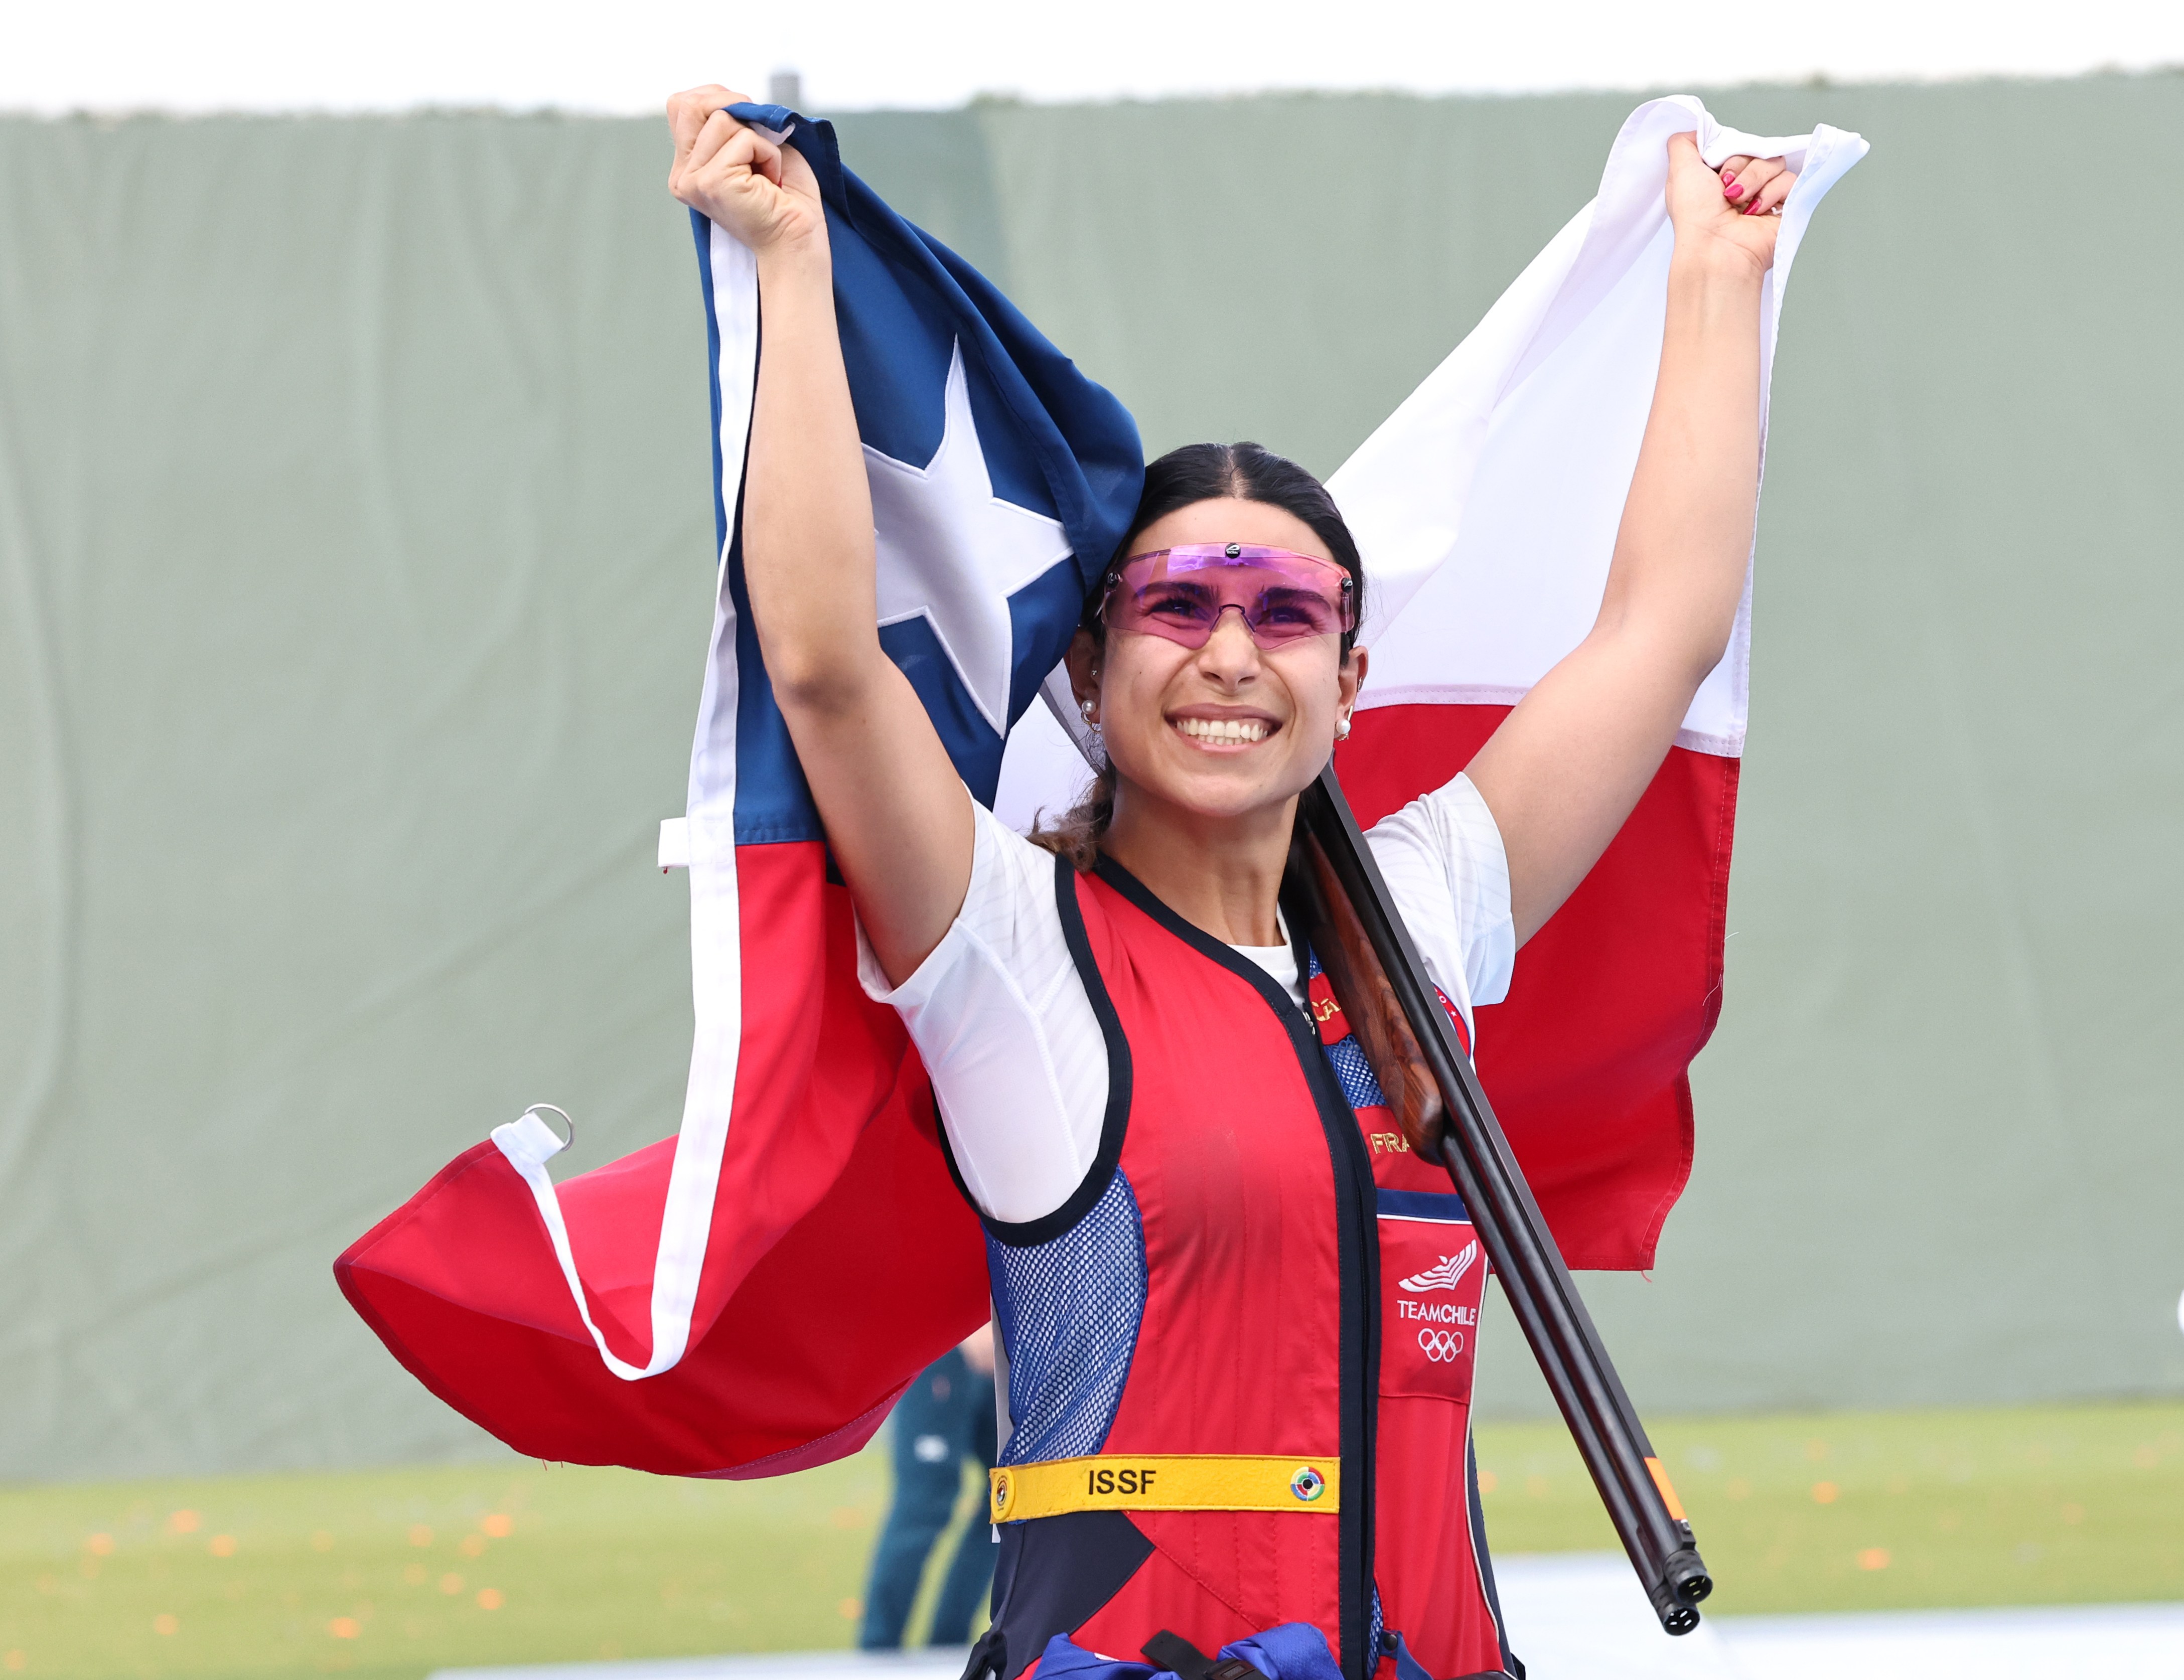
[1729, 181]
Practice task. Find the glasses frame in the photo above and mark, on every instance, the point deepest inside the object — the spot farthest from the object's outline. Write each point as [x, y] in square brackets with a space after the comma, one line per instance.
[1240, 556]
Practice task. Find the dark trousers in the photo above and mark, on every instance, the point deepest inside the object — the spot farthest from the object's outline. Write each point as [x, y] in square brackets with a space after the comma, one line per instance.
[945, 1417]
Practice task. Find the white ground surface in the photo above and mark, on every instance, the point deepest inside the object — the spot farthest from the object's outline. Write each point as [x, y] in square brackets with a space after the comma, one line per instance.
[1582, 1617]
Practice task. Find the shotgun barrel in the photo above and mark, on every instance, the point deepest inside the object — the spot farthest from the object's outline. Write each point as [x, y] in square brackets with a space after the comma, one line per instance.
[1335, 889]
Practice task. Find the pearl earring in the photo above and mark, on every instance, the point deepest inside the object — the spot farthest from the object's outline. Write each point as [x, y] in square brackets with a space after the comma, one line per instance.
[1087, 708]
[1342, 729]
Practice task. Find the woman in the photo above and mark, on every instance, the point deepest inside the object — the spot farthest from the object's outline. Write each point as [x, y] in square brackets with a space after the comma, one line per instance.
[1194, 1251]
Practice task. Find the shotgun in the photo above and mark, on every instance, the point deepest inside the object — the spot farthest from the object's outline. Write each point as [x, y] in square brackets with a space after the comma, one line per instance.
[1334, 891]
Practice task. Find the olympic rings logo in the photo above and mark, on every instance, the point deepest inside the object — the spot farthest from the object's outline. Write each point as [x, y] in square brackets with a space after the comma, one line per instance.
[1441, 1346]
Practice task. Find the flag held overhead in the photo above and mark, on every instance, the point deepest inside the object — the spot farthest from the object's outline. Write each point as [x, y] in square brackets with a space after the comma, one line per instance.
[1486, 508]
[751, 1295]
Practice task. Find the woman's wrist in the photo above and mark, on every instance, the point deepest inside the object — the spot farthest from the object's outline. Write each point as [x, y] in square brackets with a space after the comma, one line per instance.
[797, 257]
[1707, 263]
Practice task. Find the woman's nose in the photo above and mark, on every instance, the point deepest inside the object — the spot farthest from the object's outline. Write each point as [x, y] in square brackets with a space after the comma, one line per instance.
[1230, 647]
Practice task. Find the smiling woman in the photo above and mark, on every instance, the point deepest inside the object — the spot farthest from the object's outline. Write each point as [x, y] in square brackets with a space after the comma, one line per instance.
[1240, 488]
[1152, 1113]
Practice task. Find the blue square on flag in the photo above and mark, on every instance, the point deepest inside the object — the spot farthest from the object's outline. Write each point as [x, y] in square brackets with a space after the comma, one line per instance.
[1001, 478]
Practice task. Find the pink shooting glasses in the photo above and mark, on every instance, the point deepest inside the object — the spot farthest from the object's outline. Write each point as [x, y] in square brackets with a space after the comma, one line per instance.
[1180, 593]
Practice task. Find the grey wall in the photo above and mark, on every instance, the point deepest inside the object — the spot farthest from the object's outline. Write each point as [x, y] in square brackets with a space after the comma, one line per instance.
[354, 551]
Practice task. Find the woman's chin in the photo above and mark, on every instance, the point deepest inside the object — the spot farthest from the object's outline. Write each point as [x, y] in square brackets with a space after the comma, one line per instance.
[1229, 789]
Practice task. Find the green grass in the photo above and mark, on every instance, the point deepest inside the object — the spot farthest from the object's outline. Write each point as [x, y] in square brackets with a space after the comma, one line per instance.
[378, 1574]
[1885, 1510]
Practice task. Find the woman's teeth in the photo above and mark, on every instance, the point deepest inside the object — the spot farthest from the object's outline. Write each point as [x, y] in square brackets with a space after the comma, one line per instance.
[1239, 730]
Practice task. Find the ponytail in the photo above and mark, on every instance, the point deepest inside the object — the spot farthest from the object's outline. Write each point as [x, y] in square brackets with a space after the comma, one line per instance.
[1076, 832]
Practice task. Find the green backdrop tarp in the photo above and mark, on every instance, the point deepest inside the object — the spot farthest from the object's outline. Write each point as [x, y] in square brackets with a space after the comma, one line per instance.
[354, 560]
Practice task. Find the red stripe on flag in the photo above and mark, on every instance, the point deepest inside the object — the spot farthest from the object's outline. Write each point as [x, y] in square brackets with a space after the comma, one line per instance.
[1586, 1061]
[841, 1262]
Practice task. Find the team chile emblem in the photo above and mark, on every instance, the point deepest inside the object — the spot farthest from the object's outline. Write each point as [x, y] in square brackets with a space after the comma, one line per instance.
[1436, 1308]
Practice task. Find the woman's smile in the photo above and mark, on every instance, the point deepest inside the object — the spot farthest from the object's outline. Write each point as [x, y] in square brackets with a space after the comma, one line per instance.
[1222, 731]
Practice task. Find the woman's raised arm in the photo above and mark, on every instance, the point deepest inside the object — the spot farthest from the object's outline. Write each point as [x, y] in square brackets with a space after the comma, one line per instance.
[898, 817]
[1569, 762]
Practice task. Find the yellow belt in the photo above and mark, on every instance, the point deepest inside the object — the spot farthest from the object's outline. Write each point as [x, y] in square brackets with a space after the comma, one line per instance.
[1166, 1482]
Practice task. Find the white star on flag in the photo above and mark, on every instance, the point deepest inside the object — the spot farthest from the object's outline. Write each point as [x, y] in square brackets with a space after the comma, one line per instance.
[952, 552]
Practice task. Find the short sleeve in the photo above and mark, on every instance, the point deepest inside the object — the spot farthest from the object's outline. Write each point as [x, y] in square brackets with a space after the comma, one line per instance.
[1442, 858]
[1001, 1021]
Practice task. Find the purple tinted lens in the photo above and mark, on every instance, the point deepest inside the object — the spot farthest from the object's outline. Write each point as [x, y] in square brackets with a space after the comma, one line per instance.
[1180, 593]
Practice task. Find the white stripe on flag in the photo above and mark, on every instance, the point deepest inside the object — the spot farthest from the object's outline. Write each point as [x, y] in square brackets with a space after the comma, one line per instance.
[716, 921]
[1486, 506]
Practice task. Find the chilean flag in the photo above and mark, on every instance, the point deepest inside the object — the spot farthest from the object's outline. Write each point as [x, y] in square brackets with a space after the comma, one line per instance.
[670, 1311]
[1485, 508]
[1487, 567]
[751, 1295]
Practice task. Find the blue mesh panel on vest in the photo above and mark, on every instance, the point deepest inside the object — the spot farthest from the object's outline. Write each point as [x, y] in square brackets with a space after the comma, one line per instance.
[1359, 1082]
[1356, 1073]
[1069, 1311]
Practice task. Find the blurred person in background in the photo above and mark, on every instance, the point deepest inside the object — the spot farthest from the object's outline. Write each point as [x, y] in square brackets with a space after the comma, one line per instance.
[944, 1418]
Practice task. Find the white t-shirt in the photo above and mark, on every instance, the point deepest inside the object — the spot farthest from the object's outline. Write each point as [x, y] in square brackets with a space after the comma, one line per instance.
[1000, 1017]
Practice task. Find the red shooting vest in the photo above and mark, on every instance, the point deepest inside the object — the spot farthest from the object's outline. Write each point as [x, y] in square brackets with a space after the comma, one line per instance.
[1253, 1266]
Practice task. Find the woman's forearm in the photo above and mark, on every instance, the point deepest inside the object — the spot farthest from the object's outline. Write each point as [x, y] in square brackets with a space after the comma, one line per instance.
[1573, 758]
[1685, 537]
[898, 818]
[1566, 767]
[808, 553]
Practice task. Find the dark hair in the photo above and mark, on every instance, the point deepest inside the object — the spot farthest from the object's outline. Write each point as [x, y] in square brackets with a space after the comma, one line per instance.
[1201, 472]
